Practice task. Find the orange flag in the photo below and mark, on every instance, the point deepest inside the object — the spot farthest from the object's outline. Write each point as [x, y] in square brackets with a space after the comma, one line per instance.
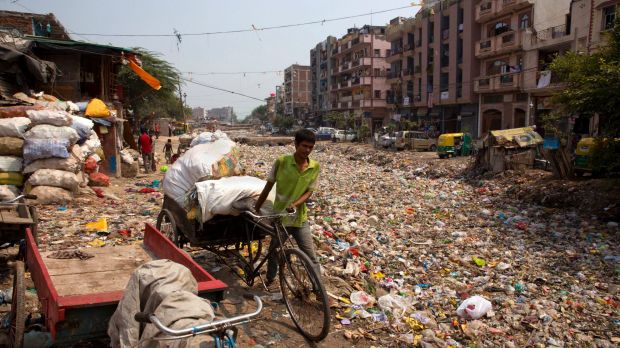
[146, 77]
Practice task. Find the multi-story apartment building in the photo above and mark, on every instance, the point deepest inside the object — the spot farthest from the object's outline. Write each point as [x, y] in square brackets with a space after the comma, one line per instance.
[358, 75]
[518, 39]
[280, 100]
[198, 114]
[223, 114]
[320, 67]
[297, 91]
[433, 66]
[591, 19]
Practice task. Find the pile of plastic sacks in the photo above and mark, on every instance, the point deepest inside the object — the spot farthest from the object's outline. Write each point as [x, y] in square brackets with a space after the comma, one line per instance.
[47, 150]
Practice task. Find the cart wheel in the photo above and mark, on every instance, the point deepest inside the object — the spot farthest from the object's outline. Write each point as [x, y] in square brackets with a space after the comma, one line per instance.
[35, 223]
[304, 294]
[167, 226]
[18, 311]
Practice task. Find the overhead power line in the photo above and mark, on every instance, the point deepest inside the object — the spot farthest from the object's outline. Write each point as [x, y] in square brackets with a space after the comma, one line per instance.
[232, 72]
[220, 89]
[252, 28]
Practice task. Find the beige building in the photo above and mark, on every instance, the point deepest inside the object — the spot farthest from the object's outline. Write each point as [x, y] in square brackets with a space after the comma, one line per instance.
[297, 91]
[320, 67]
[358, 75]
[433, 66]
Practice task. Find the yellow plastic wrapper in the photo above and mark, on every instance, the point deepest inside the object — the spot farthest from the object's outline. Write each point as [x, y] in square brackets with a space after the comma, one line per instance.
[97, 243]
[100, 225]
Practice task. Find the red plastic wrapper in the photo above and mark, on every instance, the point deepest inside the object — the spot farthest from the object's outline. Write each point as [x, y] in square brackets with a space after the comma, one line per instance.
[99, 179]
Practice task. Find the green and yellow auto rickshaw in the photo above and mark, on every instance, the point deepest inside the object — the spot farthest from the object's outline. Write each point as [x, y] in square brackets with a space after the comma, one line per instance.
[454, 144]
[584, 153]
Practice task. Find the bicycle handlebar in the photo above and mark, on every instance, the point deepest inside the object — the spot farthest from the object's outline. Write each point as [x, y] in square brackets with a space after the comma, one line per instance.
[286, 213]
[143, 317]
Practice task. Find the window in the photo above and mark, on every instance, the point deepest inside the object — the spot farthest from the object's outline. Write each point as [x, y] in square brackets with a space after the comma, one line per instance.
[387, 53]
[524, 22]
[377, 72]
[609, 16]
[378, 94]
[377, 53]
[498, 28]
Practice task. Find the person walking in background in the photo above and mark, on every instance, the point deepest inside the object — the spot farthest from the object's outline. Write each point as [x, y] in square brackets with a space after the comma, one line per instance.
[169, 131]
[157, 130]
[168, 151]
[146, 148]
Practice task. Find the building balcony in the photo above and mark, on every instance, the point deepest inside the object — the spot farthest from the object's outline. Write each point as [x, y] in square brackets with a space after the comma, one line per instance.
[345, 99]
[364, 80]
[500, 44]
[486, 10]
[393, 75]
[550, 37]
[507, 6]
[499, 83]
[396, 51]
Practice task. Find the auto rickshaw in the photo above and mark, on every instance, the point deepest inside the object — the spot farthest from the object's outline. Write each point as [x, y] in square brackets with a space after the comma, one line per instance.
[584, 153]
[454, 144]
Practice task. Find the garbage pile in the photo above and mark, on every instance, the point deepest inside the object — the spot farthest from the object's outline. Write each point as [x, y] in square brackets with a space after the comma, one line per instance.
[48, 150]
[444, 260]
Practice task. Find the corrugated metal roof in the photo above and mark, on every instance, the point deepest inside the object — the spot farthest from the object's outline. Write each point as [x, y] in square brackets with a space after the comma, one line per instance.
[91, 47]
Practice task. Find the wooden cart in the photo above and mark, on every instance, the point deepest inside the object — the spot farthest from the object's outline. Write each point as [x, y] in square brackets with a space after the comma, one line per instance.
[78, 297]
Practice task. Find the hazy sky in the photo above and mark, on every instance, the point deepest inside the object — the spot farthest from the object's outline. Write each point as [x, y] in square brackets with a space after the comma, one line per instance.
[252, 51]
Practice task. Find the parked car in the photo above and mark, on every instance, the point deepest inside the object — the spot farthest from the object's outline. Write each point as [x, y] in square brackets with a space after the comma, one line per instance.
[313, 130]
[387, 140]
[413, 140]
[325, 133]
[342, 135]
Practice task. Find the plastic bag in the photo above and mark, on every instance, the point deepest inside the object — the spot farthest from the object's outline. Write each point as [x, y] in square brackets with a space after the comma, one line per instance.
[14, 127]
[98, 179]
[10, 146]
[11, 178]
[55, 118]
[474, 307]
[35, 149]
[17, 111]
[100, 225]
[44, 131]
[97, 108]
[51, 195]
[393, 303]
[362, 298]
[67, 164]
[53, 177]
[90, 166]
[11, 164]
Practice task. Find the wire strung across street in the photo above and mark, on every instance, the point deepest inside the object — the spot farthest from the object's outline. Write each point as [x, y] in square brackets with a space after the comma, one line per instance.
[221, 89]
[252, 28]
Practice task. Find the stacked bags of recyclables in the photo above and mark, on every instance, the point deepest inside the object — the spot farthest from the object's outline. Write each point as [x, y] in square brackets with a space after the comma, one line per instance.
[50, 157]
[208, 161]
[13, 126]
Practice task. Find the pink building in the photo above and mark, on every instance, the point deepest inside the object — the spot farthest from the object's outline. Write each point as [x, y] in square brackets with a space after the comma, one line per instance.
[433, 65]
[358, 75]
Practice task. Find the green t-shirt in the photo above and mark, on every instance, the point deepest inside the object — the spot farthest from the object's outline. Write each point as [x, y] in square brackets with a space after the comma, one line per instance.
[291, 184]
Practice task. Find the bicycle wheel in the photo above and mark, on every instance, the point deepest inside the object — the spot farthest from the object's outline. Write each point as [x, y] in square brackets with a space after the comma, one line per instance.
[304, 294]
[166, 225]
[18, 310]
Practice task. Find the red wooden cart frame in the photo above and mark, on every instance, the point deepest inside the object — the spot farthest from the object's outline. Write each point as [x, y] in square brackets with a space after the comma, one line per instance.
[54, 307]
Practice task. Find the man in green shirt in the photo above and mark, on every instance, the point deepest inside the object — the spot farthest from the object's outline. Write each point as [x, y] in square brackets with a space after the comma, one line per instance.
[295, 176]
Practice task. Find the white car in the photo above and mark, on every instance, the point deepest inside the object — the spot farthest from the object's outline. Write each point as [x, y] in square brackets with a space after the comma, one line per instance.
[341, 135]
[387, 140]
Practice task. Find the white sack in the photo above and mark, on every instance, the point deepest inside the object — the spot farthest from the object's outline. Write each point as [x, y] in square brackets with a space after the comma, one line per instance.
[51, 195]
[8, 192]
[55, 178]
[196, 163]
[218, 197]
[168, 290]
[14, 126]
[67, 164]
[208, 137]
[82, 126]
[54, 118]
[126, 157]
[44, 131]
[11, 164]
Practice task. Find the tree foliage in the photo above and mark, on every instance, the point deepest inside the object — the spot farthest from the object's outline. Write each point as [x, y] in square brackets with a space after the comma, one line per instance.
[284, 122]
[340, 120]
[143, 99]
[592, 85]
[260, 113]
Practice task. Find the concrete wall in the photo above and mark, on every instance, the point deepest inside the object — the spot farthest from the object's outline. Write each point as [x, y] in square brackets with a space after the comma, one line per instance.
[548, 14]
